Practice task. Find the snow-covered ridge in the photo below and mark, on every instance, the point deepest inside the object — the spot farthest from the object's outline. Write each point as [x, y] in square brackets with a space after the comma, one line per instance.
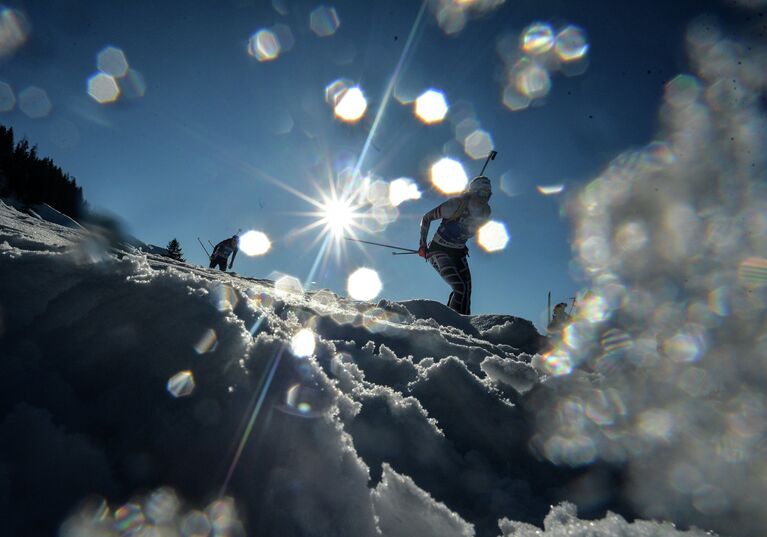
[405, 419]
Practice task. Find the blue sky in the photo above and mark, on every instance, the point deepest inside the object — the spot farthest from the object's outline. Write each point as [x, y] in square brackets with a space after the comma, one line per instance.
[190, 158]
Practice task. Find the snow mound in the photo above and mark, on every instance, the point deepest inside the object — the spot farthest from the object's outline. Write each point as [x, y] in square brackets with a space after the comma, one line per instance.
[124, 372]
[48, 213]
[407, 511]
[508, 330]
[520, 375]
[562, 521]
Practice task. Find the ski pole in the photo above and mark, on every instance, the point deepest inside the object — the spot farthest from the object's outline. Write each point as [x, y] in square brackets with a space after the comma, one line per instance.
[549, 309]
[203, 247]
[410, 250]
[404, 253]
[572, 305]
[490, 157]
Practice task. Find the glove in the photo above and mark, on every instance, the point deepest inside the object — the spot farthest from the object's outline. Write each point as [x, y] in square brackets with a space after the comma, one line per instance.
[230, 265]
[423, 251]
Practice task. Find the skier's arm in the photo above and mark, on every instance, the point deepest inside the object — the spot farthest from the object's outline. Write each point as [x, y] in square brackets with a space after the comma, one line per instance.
[234, 254]
[434, 214]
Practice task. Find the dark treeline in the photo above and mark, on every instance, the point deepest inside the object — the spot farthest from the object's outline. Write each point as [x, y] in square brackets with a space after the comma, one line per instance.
[32, 179]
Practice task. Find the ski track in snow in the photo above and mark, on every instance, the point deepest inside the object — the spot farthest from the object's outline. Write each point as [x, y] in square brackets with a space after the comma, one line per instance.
[403, 425]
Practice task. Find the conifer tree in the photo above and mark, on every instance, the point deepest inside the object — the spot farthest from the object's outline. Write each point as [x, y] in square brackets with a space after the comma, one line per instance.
[174, 250]
[31, 179]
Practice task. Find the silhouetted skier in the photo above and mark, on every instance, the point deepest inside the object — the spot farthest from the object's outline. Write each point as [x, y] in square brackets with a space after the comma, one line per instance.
[559, 319]
[461, 217]
[222, 251]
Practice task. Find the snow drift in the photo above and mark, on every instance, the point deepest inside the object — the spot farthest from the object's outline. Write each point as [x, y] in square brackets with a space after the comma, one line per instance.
[406, 419]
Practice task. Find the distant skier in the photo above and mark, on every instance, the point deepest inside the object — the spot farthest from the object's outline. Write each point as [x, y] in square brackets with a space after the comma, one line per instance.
[222, 251]
[559, 319]
[461, 217]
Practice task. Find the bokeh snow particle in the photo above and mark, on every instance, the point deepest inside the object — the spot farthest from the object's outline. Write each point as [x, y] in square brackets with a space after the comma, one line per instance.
[532, 80]
[7, 98]
[222, 515]
[448, 176]
[264, 45]
[34, 102]
[281, 7]
[284, 36]
[130, 519]
[324, 21]
[103, 88]
[13, 30]
[550, 190]
[303, 343]
[195, 524]
[299, 400]
[336, 89]
[132, 85]
[181, 384]
[207, 342]
[254, 243]
[286, 286]
[224, 297]
[364, 284]
[162, 505]
[571, 44]
[453, 15]
[538, 38]
[514, 100]
[431, 107]
[478, 144]
[403, 189]
[351, 105]
[509, 184]
[493, 236]
[112, 61]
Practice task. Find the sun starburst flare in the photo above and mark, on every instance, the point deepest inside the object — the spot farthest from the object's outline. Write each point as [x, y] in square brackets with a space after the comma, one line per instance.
[338, 216]
[339, 212]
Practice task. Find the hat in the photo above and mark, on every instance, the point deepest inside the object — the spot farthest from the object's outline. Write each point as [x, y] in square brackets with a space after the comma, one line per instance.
[481, 185]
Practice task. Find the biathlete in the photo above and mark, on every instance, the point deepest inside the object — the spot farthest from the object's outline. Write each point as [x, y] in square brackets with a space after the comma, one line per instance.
[461, 217]
[222, 251]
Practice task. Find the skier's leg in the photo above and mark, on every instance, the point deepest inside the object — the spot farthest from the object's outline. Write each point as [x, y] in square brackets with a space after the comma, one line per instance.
[465, 274]
[453, 271]
[222, 263]
[212, 262]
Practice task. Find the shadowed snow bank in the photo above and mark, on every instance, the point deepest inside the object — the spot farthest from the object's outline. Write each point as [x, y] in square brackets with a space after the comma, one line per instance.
[392, 425]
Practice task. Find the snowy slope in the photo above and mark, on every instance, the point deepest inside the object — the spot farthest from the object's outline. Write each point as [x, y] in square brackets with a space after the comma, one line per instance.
[406, 419]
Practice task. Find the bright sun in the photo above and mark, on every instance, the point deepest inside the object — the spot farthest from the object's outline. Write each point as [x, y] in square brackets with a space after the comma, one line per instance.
[339, 212]
[338, 215]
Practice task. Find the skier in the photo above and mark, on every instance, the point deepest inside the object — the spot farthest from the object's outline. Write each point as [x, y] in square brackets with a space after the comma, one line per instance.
[461, 217]
[221, 253]
[559, 319]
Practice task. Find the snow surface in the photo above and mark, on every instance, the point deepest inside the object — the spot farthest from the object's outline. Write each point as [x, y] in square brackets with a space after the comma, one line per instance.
[408, 419]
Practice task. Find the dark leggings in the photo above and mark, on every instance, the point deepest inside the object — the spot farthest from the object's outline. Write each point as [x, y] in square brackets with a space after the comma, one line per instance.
[455, 271]
[220, 261]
